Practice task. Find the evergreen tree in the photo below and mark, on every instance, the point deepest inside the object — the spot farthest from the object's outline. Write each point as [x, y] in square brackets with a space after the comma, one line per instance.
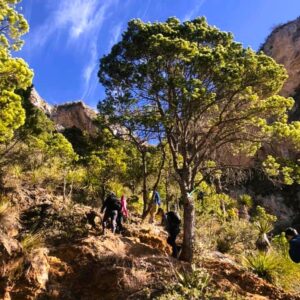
[192, 85]
[14, 72]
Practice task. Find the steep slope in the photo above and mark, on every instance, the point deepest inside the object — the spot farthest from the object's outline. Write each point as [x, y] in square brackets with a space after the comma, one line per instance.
[84, 264]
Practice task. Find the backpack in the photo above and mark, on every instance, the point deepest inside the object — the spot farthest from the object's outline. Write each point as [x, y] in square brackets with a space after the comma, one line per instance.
[173, 219]
[113, 203]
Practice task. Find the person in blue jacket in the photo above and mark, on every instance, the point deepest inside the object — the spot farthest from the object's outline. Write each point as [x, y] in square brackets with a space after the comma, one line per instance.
[294, 240]
[154, 206]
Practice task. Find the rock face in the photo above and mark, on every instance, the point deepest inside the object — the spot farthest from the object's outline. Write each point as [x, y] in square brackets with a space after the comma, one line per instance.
[40, 103]
[283, 44]
[74, 114]
[68, 115]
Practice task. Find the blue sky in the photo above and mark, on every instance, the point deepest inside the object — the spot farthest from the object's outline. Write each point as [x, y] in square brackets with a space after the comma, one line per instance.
[67, 37]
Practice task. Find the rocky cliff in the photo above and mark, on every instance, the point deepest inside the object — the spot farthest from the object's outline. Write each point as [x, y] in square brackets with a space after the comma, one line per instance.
[40, 103]
[74, 114]
[283, 44]
[68, 115]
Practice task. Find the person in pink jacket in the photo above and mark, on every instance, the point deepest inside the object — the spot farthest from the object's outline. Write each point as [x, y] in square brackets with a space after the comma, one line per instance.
[124, 206]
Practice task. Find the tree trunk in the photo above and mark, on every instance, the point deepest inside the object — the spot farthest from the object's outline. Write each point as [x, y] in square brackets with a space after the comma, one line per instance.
[64, 188]
[188, 227]
[145, 195]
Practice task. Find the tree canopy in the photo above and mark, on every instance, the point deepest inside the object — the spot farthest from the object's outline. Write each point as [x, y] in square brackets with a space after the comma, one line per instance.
[14, 72]
[193, 85]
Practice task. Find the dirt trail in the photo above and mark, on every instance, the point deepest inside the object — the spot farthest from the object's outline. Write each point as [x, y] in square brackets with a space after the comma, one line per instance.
[134, 267]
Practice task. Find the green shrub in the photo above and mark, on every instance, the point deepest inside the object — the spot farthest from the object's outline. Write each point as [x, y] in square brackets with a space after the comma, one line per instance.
[275, 268]
[189, 285]
[32, 241]
[265, 265]
[236, 236]
[246, 200]
[195, 285]
[263, 221]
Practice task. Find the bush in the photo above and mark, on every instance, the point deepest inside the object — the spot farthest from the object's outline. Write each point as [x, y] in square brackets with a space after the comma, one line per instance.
[189, 285]
[193, 285]
[265, 265]
[246, 200]
[32, 241]
[276, 268]
[236, 236]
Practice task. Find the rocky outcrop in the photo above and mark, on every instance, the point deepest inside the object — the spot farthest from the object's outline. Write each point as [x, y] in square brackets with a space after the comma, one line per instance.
[40, 103]
[283, 44]
[75, 114]
[67, 115]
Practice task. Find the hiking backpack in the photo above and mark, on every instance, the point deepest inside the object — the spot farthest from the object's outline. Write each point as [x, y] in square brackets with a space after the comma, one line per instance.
[173, 218]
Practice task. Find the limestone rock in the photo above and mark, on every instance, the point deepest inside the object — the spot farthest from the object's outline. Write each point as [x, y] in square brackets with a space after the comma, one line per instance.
[283, 44]
[40, 103]
[75, 114]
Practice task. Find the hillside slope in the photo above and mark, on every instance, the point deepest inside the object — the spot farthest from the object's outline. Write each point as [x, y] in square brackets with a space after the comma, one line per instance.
[79, 262]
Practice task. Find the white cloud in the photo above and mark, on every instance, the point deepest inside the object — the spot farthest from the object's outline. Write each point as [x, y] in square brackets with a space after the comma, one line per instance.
[115, 35]
[79, 22]
[193, 13]
[89, 72]
[76, 18]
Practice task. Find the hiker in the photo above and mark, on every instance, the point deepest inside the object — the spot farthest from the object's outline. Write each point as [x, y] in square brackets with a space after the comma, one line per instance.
[154, 206]
[90, 217]
[171, 221]
[124, 206]
[293, 237]
[122, 213]
[112, 207]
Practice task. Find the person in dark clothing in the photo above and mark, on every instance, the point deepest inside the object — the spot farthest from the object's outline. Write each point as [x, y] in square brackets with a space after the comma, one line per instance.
[171, 221]
[294, 240]
[90, 216]
[112, 207]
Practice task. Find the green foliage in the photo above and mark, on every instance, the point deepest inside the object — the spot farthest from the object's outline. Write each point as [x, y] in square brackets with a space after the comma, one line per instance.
[275, 266]
[32, 241]
[281, 244]
[81, 142]
[189, 285]
[14, 72]
[246, 200]
[218, 204]
[191, 84]
[236, 236]
[190, 72]
[265, 265]
[194, 284]
[285, 171]
[263, 221]
[105, 167]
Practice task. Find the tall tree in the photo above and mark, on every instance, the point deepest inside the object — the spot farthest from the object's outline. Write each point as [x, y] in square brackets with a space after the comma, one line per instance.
[191, 84]
[14, 72]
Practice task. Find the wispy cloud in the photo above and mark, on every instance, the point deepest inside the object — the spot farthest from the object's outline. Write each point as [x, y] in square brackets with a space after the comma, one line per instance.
[77, 19]
[79, 22]
[146, 10]
[193, 12]
[89, 71]
[115, 35]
